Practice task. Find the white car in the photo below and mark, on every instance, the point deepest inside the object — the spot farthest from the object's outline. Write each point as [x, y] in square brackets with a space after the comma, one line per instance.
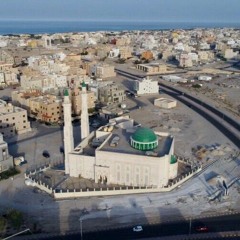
[138, 229]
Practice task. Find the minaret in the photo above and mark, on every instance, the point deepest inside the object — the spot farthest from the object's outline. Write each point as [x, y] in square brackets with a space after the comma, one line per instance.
[84, 113]
[67, 129]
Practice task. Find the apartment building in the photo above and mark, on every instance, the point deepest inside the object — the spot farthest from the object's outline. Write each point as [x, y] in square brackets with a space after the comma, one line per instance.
[6, 57]
[13, 120]
[49, 108]
[125, 52]
[23, 98]
[148, 55]
[146, 86]
[185, 60]
[6, 160]
[152, 68]
[111, 93]
[101, 70]
[77, 100]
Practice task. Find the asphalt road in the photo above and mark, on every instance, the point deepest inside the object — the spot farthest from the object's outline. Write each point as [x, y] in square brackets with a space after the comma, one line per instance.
[215, 225]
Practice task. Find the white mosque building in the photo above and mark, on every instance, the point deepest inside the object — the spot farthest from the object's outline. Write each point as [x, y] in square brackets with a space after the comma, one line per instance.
[119, 153]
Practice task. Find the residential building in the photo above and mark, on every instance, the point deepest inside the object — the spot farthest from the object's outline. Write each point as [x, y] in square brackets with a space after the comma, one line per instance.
[101, 70]
[50, 108]
[148, 55]
[77, 100]
[146, 86]
[111, 93]
[6, 160]
[152, 68]
[185, 60]
[13, 120]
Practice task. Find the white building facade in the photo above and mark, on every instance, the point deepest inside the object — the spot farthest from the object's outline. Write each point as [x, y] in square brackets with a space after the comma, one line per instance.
[146, 86]
[98, 159]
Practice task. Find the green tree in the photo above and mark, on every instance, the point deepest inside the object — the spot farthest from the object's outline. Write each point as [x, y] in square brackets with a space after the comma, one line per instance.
[3, 223]
[16, 218]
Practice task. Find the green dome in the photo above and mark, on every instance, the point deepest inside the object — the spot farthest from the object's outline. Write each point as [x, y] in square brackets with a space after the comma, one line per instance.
[144, 135]
[144, 139]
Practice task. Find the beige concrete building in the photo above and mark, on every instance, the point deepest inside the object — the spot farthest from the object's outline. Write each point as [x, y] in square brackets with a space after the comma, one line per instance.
[13, 120]
[6, 160]
[152, 68]
[77, 100]
[229, 53]
[125, 52]
[23, 99]
[112, 93]
[148, 55]
[6, 57]
[50, 108]
[165, 103]
[122, 41]
[185, 60]
[205, 56]
[101, 70]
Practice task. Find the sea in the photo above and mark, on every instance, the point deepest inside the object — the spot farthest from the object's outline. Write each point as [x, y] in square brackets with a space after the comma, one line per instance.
[50, 27]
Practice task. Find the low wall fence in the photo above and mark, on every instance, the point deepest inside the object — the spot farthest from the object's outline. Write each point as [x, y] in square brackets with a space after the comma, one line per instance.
[184, 160]
[41, 185]
[105, 191]
[37, 170]
[111, 191]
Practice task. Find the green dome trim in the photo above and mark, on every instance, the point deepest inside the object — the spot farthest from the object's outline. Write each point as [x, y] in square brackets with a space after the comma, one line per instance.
[173, 159]
[66, 94]
[144, 135]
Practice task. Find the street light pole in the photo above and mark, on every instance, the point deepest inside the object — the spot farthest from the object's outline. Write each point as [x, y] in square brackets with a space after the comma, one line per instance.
[190, 226]
[81, 232]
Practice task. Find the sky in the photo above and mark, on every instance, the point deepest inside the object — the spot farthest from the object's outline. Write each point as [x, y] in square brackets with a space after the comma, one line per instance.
[122, 10]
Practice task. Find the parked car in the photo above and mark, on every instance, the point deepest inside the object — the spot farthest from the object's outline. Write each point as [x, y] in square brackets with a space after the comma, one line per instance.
[138, 229]
[46, 154]
[200, 227]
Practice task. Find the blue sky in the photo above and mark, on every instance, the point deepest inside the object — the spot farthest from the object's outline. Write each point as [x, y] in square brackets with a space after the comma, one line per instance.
[122, 10]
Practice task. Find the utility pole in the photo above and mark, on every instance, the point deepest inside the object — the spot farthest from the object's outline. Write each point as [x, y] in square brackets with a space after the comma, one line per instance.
[190, 226]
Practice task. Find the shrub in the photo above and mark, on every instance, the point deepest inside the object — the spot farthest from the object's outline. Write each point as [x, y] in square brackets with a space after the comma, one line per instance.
[16, 218]
[3, 223]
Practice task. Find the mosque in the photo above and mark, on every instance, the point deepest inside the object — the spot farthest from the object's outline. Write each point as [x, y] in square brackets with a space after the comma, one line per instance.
[118, 153]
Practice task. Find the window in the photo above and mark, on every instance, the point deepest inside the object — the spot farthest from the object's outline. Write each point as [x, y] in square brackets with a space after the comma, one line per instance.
[24, 121]
[24, 126]
[23, 115]
[13, 118]
[7, 119]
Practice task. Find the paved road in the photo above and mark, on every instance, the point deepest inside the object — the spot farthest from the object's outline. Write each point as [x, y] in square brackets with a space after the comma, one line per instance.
[215, 224]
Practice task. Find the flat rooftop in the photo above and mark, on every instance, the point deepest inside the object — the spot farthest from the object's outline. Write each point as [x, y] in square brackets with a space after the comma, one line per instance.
[164, 144]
